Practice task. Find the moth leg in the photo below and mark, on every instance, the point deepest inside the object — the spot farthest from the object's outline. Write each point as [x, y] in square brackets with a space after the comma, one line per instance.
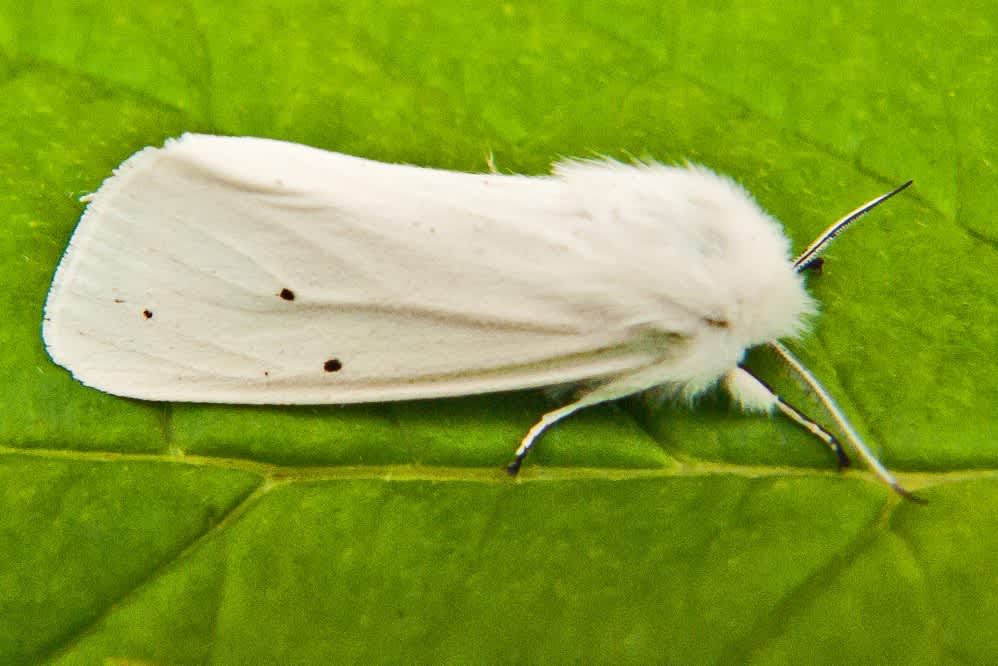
[755, 396]
[535, 431]
[840, 419]
[612, 390]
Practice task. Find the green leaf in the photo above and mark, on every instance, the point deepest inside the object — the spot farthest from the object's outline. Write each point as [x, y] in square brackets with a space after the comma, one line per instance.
[643, 531]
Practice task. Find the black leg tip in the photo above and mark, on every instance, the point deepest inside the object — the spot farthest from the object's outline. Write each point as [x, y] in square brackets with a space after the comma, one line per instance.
[514, 467]
[844, 460]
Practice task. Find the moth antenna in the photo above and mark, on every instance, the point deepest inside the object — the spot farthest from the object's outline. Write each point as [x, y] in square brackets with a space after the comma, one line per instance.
[818, 245]
[851, 435]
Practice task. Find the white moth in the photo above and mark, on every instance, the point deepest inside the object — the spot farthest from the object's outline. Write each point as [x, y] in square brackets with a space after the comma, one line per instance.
[246, 270]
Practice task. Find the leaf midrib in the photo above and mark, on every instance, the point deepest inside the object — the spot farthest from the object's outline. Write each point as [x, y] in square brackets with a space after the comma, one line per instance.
[281, 474]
